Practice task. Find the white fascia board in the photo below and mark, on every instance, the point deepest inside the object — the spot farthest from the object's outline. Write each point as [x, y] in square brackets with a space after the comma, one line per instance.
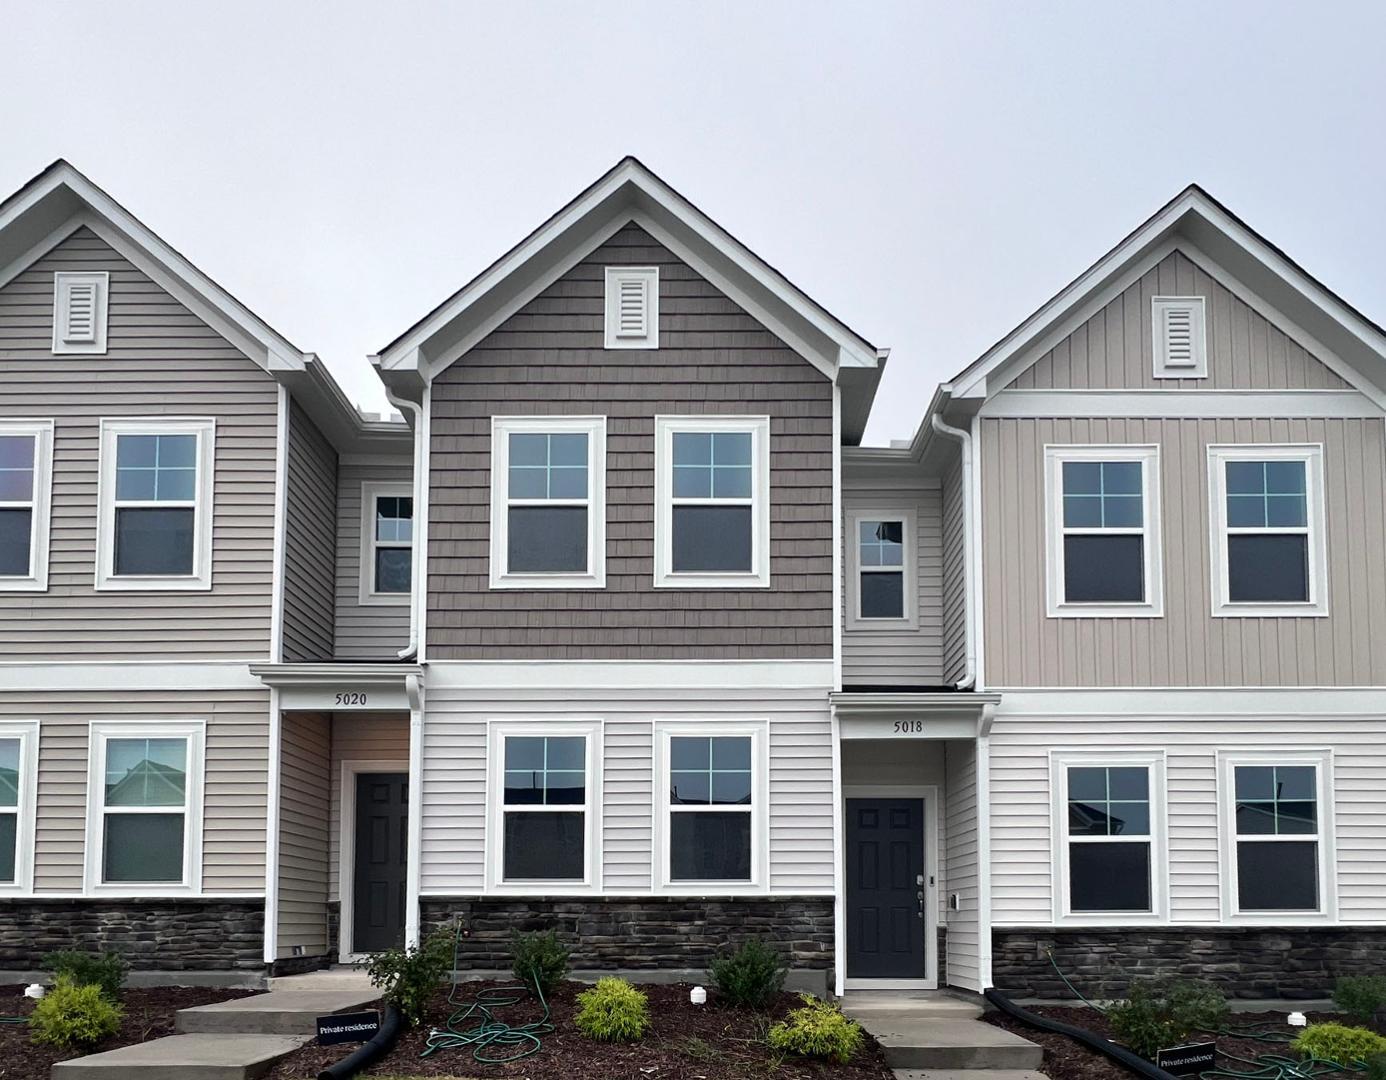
[59, 675]
[1101, 705]
[1184, 404]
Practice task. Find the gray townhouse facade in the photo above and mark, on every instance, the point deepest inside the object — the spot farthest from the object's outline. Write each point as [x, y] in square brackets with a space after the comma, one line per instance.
[618, 629]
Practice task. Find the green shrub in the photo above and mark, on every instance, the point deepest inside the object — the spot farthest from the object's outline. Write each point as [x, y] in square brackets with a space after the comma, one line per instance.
[817, 1030]
[613, 1011]
[1339, 1043]
[751, 976]
[1376, 1067]
[539, 958]
[72, 1017]
[1360, 996]
[407, 978]
[106, 970]
[1157, 1014]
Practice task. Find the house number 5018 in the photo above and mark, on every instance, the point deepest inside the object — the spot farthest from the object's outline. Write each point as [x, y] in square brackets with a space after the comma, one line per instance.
[351, 698]
[909, 727]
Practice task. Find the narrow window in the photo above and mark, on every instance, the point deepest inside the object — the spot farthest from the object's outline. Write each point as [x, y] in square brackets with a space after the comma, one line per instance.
[26, 449]
[79, 312]
[1276, 817]
[545, 815]
[632, 307]
[11, 761]
[881, 569]
[1108, 814]
[712, 520]
[18, 769]
[387, 543]
[710, 792]
[547, 528]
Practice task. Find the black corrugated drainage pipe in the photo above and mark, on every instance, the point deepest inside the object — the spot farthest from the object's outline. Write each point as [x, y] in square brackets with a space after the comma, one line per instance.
[382, 1042]
[1119, 1054]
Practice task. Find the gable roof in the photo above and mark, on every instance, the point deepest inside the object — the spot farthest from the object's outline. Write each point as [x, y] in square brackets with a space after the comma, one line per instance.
[631, 192]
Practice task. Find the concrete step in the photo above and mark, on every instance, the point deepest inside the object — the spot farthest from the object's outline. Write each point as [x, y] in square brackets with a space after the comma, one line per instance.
[184, 1057]
[280, 1012]
[968, 1074]
[336, 978]
[913, 1043]
[925, 1004]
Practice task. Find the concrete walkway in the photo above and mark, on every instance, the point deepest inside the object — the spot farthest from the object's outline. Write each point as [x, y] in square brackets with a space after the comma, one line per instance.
[928, 1035]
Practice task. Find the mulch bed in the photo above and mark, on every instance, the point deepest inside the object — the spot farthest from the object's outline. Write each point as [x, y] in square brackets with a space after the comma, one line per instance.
[686, 1042]
[1065, 1059]
[148, 1015]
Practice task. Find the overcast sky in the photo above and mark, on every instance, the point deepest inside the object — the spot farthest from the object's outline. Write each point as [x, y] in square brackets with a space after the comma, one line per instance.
[930, 173]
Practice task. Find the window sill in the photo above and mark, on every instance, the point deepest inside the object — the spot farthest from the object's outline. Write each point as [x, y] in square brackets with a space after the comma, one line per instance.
[1270, 611]
[882, 626]
[154, 584]
[548, 581]
[712, 581]
[15, 584]
[1106, 611]
[152, 891]
[1111, 919]
[544, 888]
[1280, 918]
[384, 599]
[707, 889]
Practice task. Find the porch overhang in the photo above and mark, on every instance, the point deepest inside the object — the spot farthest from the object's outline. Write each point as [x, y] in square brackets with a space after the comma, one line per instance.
[913, 715]
[343, 687]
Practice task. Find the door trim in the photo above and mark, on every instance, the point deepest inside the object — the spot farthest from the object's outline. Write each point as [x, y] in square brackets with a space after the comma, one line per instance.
[929, 793]
[346, 867]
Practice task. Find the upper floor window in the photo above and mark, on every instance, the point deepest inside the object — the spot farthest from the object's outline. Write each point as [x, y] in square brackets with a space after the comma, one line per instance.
[26, 480]
[18, 784]
[387, 543]
[712, 501]
[1180, 337]
[155, 515]
[1268, 531]
[632, 307]
[1103, 536]
[80, 303]
[548, 520]
[880, 569]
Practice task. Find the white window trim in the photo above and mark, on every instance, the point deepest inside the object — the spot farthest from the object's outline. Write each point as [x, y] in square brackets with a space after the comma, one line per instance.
[1148, 456]
[759, 575]
[1322, 763]
[1199, 329]
[27, 732]
[42, 505]
[370, 491]
[496, 733]
[910, 560]
[613, 338]
[1153, 761]
[101, 732]
[61, 280]
[1311, 454]
[200, 580]
[594, 427]
[759, 733]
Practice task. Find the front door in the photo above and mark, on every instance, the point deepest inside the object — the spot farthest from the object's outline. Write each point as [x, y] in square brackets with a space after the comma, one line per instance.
[382, 830]
[885, 888]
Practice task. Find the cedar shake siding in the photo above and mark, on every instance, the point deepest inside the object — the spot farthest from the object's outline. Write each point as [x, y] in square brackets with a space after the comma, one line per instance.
[310, 538]
[161, 361]
[548, 359]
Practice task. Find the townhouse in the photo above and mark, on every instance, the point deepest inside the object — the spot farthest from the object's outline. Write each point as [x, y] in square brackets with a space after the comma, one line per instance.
[618, 629]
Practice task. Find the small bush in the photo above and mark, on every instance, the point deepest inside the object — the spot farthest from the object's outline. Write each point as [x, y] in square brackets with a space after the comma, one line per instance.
[1159, 1014]
[539, 958]
[72, 1017]
[1339, 1043]
[817, 1030]
[106, 970]
[613, 1011]
[750, 977]
[1376, 1067]
[1360, 996]
[407, 978]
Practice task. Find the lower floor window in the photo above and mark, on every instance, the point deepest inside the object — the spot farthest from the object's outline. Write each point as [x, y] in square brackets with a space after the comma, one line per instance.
[1276, 818]
[11, 763]
[543, 825]
[711, 794]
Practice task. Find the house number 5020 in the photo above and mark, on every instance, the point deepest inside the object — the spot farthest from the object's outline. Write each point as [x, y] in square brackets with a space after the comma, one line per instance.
[909, 727]
[351, 698]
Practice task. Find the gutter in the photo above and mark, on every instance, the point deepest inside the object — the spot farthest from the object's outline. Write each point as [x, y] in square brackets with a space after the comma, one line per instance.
[963, 437]
[411, 650]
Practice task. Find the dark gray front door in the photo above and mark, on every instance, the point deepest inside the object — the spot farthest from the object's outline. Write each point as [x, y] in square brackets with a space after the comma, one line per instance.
[382, 829]
[885, 865]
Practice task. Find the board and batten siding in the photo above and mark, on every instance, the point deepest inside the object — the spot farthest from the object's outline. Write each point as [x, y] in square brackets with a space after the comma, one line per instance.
[234, 780]
[310, 541]
[954, 584]
[161, 360]
[548, 359]
[1021, 814]
[1188, 646]
[454, 778]
[371, 737]
[365, 631]
[305, 775]
[1114, 349]
[897, 656]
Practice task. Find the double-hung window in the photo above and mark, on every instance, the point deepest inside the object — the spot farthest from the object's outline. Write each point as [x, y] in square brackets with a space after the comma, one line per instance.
[387, 543]
[18, 785]
[711, 804]
[145, 806]
[155, 528]
[544, 828]
[880, 570]
[1103, 531]
[1276, 835]
[548, 516]
[1268, 530]
[1109, 849]
[26, 482]
[712, 501]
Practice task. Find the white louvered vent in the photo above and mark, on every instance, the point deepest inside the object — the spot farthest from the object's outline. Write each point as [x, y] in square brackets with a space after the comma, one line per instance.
[79, 312]
[1181, 350]
[632, 307]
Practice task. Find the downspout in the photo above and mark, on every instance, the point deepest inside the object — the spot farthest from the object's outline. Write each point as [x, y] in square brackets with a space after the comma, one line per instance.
[963, 437]
[414, 562]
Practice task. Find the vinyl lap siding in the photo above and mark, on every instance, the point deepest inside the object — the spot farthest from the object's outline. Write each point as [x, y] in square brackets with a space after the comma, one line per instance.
[627, 783]
[162, 361]
[364, 631]
[962, 867]
[305, 767]
[310, 541]
[376, 737]
[954, 583]
[548, 359]
[1115, 348]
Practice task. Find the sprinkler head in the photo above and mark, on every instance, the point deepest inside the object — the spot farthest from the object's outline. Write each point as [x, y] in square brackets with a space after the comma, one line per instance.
[698, 996]
[1297, 1019]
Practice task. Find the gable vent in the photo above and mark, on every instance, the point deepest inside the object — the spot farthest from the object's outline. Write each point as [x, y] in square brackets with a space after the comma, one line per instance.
[632, 307]
[1180, 337]
[79, 312]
